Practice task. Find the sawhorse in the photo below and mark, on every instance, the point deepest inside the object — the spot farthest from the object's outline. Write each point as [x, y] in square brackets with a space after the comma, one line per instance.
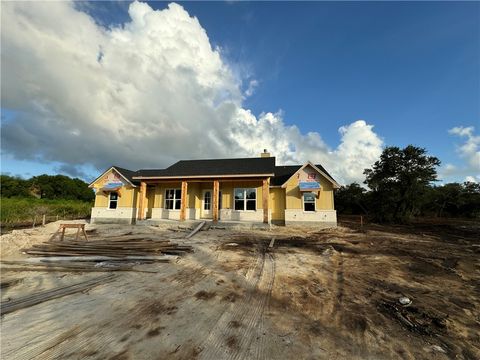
[70, 226]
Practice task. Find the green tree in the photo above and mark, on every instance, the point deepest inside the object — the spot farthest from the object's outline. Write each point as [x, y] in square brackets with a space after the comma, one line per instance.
[46, 187]
[470, 200]
[350, 200]
[398, 181]
[14, 186]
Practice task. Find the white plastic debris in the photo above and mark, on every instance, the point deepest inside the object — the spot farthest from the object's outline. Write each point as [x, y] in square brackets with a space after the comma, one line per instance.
[438, 349]
[404, 301]
[105, 264]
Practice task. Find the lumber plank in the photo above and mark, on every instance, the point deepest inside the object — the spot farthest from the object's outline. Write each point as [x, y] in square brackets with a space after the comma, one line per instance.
[194, 231]
[37, 298]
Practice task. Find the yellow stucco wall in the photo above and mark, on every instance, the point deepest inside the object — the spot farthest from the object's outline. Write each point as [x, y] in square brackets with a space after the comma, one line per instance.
[126, 198]
[323, 202]
[277, 203]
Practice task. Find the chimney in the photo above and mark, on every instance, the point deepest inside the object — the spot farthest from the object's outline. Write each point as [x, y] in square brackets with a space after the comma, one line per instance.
[265, 154]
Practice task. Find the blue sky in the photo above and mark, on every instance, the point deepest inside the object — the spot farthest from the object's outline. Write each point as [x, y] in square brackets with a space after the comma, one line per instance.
[409, 69]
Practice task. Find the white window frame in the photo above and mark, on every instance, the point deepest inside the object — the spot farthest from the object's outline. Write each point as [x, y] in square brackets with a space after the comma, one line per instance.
[110, 200]
[314, 202]
[174, 199]
[245, 199]
[210, 200]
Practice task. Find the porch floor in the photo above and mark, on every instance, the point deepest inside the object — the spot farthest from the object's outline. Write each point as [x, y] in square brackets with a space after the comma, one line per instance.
[209, 223]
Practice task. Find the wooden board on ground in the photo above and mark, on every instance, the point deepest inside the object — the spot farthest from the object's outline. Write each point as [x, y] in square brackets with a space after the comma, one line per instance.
[42, 296]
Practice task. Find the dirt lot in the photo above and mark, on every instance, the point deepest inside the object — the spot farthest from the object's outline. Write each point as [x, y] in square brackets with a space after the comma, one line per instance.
[330, 294]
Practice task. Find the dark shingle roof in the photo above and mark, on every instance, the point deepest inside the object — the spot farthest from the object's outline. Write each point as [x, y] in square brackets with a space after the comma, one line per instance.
[283, 173]
[242, 166]
[129, 174]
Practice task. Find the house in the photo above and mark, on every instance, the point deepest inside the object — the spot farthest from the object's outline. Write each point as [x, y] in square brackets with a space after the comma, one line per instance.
[246, 189]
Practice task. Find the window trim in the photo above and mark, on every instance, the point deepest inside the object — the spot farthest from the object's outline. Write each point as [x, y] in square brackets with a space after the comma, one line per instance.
[245, 199]
[110, 200]
[174, 199]
[314, 203]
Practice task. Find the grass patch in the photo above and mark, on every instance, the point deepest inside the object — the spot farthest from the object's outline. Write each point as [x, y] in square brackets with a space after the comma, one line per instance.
[19, 210]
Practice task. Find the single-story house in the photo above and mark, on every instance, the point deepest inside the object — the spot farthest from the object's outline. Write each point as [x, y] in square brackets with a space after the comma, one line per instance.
[246, 189]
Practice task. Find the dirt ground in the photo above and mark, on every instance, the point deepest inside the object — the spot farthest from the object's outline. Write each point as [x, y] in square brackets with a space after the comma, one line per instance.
[329, 294]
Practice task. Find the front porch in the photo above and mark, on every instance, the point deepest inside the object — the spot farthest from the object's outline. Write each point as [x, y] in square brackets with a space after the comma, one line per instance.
[210, 224]
[226, 199]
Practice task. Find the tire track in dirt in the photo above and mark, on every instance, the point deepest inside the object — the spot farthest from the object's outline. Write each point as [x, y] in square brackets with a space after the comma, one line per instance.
[261, 329]
[85, 335]
[211, 322]
[240, 325]
[214, 345]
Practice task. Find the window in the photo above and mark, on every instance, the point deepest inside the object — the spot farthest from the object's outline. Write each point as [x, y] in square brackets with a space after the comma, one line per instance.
[207, 200]
[113, 200]
[245, 199]
[308, 202]
[173, 199]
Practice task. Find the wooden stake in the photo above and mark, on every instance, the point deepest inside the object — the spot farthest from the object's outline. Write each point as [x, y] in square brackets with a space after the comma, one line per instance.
[43, 220]
[271, 242]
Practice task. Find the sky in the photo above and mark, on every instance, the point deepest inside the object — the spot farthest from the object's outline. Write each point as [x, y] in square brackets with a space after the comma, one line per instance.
[87, 85]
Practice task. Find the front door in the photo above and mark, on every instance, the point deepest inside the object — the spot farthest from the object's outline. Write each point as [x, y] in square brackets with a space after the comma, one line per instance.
[207, 204]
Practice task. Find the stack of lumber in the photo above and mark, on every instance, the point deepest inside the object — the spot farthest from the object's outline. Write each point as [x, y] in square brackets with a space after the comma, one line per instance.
[119, 253]
[113, 247]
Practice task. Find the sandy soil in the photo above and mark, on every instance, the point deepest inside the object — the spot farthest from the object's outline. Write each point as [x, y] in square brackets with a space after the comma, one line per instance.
[331, 294]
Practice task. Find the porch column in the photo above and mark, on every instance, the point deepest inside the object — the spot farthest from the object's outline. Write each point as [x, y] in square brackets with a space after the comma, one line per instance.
[143, 195]
[216, 190]
[265, 195]
[183, 203]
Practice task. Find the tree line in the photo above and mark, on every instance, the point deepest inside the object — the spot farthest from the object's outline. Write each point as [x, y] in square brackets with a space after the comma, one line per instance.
[401, 186]
[46, 187]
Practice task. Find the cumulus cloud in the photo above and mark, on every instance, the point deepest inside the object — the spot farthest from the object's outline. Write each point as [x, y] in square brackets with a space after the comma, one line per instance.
[143, 94]
[251, 87]
[469, 151]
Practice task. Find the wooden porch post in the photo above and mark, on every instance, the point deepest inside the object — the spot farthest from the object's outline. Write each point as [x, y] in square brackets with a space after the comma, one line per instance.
[143, 195]
[265, 195]
[183, 204]
[216, 189]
